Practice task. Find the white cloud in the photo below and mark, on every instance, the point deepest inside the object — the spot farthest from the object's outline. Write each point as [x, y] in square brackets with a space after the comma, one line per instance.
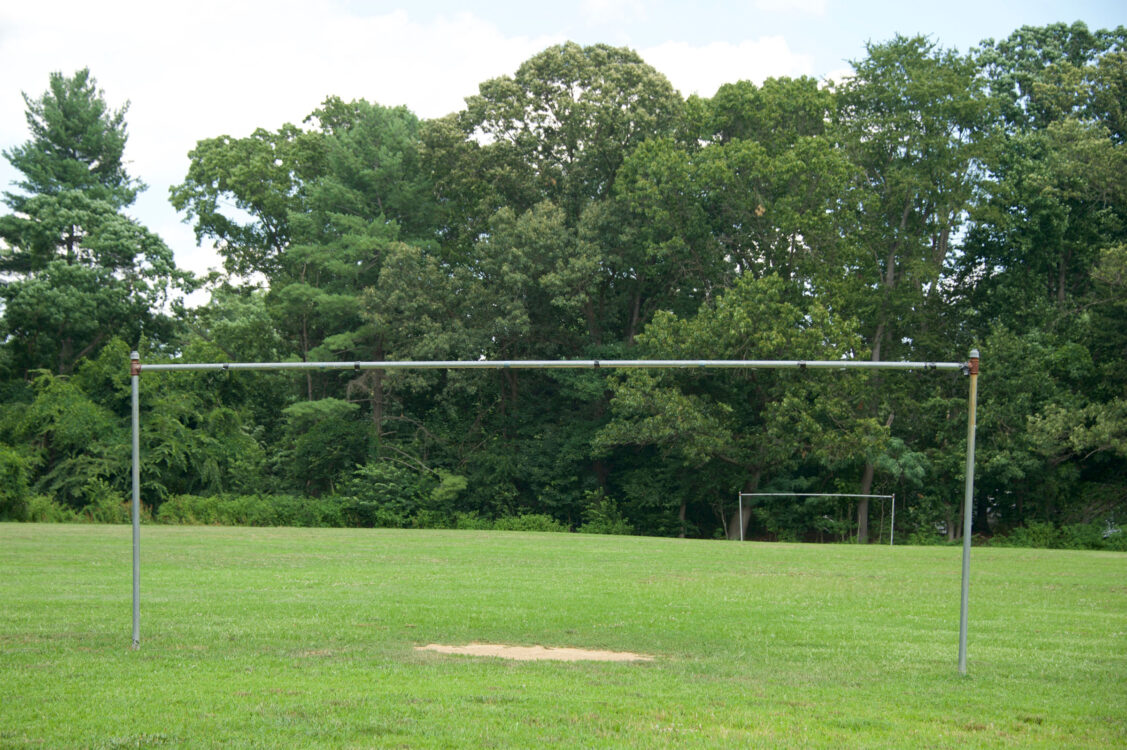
[600, 12]
[802, 7]
[838, 76]
[211, 67]
[702, 69]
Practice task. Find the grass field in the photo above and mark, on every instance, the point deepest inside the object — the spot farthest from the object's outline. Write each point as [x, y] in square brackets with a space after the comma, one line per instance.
[305, 638]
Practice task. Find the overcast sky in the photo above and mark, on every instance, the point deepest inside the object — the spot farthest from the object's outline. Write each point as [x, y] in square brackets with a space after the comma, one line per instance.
[207, 68]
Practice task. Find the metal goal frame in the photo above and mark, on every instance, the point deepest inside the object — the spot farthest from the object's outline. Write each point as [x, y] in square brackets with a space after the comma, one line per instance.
[969, 367]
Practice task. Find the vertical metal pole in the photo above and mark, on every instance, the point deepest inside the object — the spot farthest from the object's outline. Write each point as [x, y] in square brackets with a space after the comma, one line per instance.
[968, 507]
[135, 376]
[892, 524]
[741, 517]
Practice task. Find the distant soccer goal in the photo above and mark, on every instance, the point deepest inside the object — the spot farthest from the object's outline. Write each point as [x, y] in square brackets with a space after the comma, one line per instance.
[891, 526]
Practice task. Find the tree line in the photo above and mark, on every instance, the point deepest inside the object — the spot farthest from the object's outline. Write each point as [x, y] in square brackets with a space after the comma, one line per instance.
[929, 203]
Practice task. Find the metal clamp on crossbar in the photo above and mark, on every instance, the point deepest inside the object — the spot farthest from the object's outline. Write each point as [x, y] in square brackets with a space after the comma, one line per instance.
[596, 364]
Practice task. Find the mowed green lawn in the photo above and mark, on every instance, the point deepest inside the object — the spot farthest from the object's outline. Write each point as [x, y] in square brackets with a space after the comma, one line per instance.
[306, 638]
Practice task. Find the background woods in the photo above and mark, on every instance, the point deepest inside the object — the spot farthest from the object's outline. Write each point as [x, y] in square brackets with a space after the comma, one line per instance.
[582, 208]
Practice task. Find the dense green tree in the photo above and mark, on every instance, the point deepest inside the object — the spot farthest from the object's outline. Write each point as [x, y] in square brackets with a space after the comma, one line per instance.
[1038, 276]
[563, 124]
[579, 208]
[77, 143]
[749, 427]
[1040, 74]
[263, 176]
[323, 444]
[774, 115]
[914, 119]
[79, 270]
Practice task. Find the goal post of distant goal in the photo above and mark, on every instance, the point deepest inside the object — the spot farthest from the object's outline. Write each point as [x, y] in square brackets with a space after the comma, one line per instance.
[969, 367]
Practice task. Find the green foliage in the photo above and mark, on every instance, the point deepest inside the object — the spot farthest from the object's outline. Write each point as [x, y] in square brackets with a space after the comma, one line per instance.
[251, 510]
[261, 175]
[103, 504]
[324, 443]
[581, 209]
[77, 142]
[602, 516]
[65, 312]
[82, 271]
[384, 494]
[540, 122]
[448, 488]
[75, 444]
[197, 434]
[471, 521]
[14, 492]
[528, 522]
[923, 536]
[1042, 534]
[42, 509]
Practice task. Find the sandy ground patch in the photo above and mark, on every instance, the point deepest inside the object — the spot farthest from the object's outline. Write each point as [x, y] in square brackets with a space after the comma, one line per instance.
[531, 653]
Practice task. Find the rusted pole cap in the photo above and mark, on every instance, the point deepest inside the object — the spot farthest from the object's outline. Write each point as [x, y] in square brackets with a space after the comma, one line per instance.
[972, 366]
[134, 364]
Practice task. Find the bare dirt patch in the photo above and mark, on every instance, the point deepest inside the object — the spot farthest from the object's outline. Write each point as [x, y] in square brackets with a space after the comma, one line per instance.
[533, 653]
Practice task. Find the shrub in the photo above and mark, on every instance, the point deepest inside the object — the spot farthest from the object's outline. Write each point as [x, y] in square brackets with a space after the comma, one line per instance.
[188, 509]
[290, 510]
[1042, 534]
[431, 519]
[103, 505]
[925, 537]
[381, 494]
[471, 520]
[1038, 534]
[251, 510]
[1114, 538]
[14, 494]
[528, 522]
[1080, 536]
[42, 509]
[601, 516]
[367, 515]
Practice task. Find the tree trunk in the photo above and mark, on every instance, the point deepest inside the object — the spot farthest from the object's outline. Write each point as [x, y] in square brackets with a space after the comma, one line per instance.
[377, 394]
[863, 504]
[64, 354]
[867, 474]
[377, 407]
[635, 314]
[981, 518]
[305, 357]
[592, 318]
[1062, 266]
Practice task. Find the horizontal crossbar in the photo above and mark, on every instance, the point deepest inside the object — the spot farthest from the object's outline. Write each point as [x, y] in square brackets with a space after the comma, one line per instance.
[578, 364]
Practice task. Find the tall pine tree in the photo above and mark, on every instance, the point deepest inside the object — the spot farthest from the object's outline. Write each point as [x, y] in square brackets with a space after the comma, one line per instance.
[79, 271]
